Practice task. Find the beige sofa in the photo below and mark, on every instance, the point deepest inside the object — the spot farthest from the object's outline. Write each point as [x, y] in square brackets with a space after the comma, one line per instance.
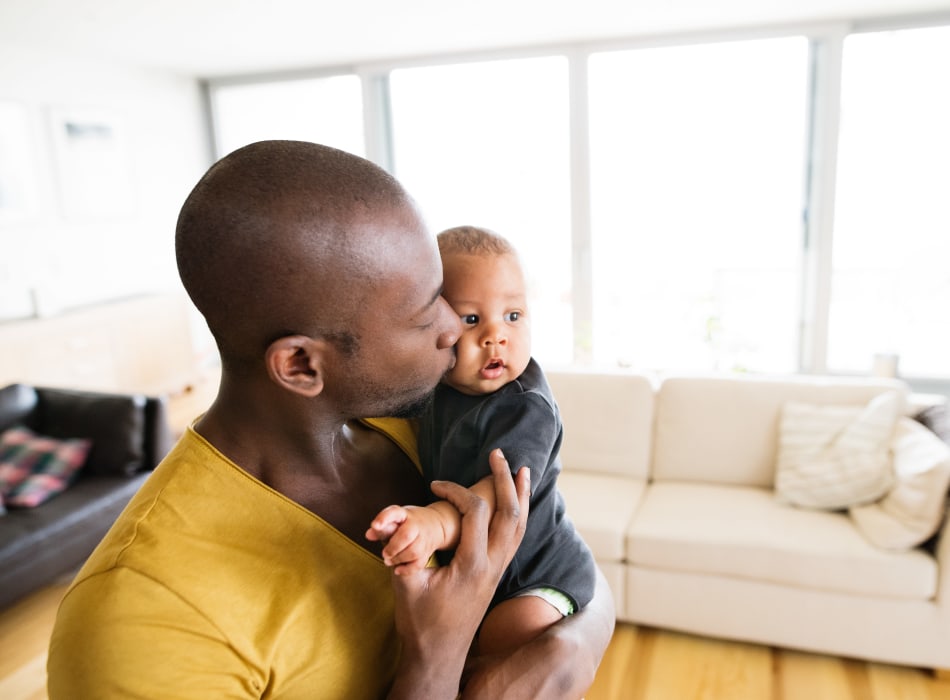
[673, 484]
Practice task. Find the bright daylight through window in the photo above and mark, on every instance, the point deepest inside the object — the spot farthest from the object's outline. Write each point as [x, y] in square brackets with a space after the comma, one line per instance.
[718, 205]
[327, 110]
[475, 146]
[697, 166]
[891, 279]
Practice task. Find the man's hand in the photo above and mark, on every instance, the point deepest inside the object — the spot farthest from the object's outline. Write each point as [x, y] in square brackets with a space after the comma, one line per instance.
[439, 610]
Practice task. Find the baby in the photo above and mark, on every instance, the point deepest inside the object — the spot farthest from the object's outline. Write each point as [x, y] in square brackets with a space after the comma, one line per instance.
[496, 396]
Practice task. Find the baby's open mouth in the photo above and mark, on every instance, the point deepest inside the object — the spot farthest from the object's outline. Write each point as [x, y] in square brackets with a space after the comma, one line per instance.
[493, 370]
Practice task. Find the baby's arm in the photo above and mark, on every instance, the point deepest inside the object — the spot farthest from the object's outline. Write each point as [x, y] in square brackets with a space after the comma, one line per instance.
[415, 532]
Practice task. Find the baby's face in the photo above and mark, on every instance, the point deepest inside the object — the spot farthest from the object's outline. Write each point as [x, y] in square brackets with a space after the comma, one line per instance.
[488, 293]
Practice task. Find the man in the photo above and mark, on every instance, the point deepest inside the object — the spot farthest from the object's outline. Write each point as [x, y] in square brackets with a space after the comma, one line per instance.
[240, 569]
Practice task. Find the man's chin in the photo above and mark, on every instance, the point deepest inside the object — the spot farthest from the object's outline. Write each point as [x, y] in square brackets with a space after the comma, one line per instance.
[413, 409]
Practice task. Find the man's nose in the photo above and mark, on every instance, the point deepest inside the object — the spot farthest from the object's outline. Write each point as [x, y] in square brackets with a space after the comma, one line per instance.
[453, 327]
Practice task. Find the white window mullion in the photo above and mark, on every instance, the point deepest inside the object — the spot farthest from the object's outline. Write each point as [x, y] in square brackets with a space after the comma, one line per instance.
[820, 199]
[582, 295]
[377, 118]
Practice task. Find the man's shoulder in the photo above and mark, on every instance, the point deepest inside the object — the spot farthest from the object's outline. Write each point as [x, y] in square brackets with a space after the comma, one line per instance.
[401, 433]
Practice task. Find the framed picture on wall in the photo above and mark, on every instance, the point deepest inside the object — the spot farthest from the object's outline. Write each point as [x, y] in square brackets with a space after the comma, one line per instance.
[18, 173]
[93, 164]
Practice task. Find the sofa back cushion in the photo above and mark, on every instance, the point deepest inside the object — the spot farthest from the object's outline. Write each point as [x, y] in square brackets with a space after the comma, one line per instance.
[608, 421]
[725, 429]
[114, 422]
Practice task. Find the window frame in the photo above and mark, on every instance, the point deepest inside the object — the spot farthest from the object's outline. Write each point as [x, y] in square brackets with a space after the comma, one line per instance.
[826, 42]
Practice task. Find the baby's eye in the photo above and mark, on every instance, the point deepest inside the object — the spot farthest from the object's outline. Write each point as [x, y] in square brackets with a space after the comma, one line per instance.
[470, 319]
[512, 316]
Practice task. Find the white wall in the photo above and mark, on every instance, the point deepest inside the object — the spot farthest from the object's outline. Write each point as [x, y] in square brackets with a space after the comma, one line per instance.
[70, 260]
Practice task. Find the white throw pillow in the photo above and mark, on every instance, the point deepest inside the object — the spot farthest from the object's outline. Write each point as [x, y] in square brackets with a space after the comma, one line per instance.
[833, 457]
[915, 507]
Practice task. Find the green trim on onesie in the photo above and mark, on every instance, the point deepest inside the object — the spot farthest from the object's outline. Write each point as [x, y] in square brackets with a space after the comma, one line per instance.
[561, 602]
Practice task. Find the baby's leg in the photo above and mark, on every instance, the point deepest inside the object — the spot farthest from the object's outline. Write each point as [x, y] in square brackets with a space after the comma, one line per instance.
[514, 622]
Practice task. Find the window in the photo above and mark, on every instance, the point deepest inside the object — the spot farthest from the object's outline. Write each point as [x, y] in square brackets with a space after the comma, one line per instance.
[891, 245]
[487, 144]
[688, 166]
[697, 167]
[324, 110]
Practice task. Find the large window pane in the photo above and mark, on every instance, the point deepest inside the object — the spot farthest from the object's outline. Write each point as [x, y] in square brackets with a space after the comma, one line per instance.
[324, 110]
[697, 160]
[891, 279]
[487, 144]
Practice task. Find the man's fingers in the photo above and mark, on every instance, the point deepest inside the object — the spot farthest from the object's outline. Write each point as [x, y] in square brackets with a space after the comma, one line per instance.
[465, 502]
[511, 507]
[476, 516]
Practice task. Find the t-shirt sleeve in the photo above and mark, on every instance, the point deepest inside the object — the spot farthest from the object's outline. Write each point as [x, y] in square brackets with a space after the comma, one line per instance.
[147, 643]
[526, 428]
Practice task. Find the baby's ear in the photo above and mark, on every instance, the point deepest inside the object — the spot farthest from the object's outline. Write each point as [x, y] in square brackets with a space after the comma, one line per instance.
[295, 363]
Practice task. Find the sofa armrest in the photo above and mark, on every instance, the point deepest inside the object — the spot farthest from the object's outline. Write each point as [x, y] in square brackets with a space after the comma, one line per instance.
[17, 404]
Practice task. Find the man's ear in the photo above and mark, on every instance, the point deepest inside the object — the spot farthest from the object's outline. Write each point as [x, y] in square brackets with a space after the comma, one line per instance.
[295, 362]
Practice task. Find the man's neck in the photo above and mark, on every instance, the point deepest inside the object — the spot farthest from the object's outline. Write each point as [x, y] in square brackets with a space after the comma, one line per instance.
[343, 472]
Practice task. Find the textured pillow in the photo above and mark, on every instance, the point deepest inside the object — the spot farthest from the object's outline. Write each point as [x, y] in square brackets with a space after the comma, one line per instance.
[915, 507]
[35, 468]
[833, 457]
[16, 461]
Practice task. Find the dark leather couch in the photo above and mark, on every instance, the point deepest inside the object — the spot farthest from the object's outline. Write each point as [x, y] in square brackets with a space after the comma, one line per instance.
[130, 435]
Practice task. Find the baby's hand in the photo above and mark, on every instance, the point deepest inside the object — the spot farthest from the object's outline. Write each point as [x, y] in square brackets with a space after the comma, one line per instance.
[414, 534]
[386, 523]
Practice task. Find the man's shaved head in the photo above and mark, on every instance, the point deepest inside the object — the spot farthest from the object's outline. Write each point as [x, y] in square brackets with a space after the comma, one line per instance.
[283, 237]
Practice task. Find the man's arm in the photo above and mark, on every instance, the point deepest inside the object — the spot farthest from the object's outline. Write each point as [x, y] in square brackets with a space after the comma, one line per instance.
[439, 610]
[559, 664]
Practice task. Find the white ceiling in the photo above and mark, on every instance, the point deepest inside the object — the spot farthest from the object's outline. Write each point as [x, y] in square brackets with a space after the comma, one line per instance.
[209, 38]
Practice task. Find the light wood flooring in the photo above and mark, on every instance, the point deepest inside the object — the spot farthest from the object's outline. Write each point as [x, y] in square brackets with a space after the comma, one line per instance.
[640, 664]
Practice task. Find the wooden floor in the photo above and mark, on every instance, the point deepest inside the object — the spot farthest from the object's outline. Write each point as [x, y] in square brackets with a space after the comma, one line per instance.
[641, 664]
[650, 664]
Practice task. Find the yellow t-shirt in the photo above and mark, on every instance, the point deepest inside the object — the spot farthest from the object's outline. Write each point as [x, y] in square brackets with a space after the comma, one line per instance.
[213, 585]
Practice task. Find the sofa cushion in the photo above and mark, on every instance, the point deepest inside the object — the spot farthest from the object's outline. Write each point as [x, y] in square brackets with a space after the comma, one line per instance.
[835, 456]
[601, 507]
[115, 424]
[732, 422]
[608, 421]
[743, 532]
[915, 507]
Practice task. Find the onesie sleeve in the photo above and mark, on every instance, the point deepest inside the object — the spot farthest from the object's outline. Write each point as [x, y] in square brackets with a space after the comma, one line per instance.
[528, 430]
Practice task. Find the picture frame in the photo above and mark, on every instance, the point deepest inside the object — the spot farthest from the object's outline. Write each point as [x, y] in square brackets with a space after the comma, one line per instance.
[93, 165]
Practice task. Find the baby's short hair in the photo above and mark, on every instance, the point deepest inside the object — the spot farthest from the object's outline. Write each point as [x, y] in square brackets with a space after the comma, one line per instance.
[474, 240]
